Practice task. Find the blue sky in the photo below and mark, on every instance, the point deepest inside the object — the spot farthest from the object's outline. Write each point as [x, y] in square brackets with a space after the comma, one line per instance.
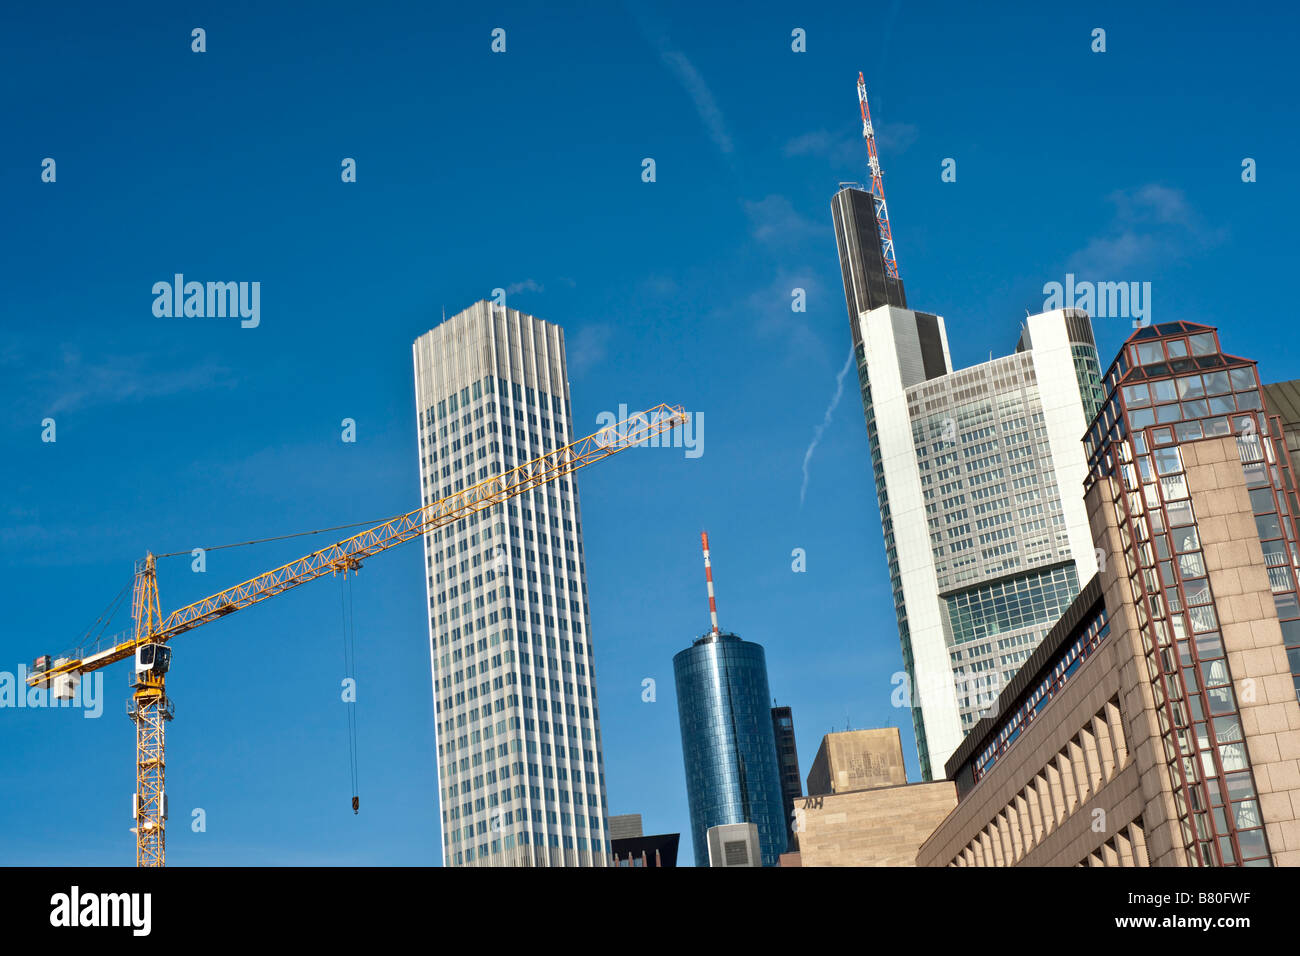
[522, 170]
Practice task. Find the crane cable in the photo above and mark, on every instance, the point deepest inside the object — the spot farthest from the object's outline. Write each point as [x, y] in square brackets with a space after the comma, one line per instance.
[349, 632]
[104, 619]
[279, 537]
[349, 668]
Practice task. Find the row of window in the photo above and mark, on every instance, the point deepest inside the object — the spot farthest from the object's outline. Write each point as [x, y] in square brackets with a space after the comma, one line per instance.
[1196, 707]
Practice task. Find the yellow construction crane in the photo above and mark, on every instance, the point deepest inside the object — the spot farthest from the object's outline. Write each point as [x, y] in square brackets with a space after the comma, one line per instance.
[151, 708]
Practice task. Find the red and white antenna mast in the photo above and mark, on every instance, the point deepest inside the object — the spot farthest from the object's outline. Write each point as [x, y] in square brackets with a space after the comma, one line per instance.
[877, 183]
[708, 578]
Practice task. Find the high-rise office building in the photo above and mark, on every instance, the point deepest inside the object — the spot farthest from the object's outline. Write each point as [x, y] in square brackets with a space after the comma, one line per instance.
[977, 472]
[727, 742]
[969, 468]
[1166, 695]
[518, 732]
[787, 760]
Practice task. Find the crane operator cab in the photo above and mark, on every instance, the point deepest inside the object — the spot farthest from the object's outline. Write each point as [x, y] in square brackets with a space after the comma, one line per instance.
[151, 662]
[152, 659]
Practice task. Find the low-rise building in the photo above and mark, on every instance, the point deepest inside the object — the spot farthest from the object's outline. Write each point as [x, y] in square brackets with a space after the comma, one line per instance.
[861, 811]
[857, 760]
[884, 826]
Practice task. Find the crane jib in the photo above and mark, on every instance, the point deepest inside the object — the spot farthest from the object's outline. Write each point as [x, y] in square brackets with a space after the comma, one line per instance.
[342, 555]
[151, 708]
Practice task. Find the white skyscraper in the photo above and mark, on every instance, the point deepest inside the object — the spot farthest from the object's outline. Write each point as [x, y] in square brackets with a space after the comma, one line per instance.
[979, 475]
[520, 771]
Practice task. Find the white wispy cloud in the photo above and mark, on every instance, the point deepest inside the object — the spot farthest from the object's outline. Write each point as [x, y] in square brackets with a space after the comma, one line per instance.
[75, 379]
[528, 285]
[1152, 224]
[588, 347]
[680, 66]
[892, 138]
[776, 221]
[769, 309]
[841, 149]
[658, 285]
[701, 95]
[825, 423]
[845, 149]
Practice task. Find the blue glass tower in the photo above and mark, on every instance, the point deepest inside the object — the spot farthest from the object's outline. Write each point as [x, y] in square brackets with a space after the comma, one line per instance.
[732, 775]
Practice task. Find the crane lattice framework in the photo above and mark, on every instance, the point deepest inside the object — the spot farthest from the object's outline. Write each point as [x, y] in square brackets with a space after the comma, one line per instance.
[150, 707]
[877, 183]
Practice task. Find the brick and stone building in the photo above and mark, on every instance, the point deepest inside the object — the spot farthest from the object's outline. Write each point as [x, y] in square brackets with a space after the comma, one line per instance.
[861, 811]
[1157, 723]
[857, 760]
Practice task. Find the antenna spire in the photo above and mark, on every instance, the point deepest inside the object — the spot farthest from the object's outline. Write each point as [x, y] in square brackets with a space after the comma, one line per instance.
[708, 578]
[877, 183]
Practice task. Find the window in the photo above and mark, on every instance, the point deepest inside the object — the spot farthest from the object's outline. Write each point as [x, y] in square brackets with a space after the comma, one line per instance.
[1217, 427]
[1180, 513]
[1268, 527]
[1166, 414]
[1137, 396]
[1198, 592]
[1168, 461]
[1204, 619]
[1149, 352]
[1261, 500]
[1186, 539]
[1164, 390]
[1222, 405]
[1216, 383]
[1242, 378]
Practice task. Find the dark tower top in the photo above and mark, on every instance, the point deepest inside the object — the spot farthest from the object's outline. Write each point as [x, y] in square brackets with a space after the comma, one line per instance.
[867, 284]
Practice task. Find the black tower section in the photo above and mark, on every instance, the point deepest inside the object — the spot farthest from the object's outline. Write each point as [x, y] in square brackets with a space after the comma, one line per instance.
[787, 759]
[867, 285]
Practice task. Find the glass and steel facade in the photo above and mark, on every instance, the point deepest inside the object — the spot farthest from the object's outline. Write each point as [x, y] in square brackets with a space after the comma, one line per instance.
[517, 726]
[728, 746]
[993, 509]
[976, 473]
[1171, 386]
[995, 627]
